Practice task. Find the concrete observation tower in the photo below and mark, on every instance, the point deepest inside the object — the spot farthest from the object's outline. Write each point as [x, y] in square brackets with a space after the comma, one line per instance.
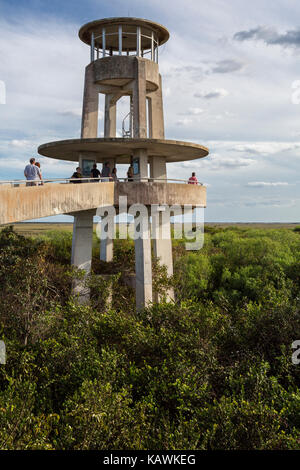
[124, 62]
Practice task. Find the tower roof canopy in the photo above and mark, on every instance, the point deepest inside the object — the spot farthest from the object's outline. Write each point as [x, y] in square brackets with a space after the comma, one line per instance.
[129, 27]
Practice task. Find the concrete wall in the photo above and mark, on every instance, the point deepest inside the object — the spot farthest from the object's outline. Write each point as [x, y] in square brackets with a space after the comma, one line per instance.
[119, 70]
[25, 203]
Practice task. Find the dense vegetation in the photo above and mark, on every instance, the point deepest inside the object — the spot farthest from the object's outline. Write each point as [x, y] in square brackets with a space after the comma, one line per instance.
[212, 371]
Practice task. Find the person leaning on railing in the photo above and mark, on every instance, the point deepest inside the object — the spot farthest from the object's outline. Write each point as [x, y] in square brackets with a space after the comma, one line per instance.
[193, 179]
[95, 174]
[32, 173]
[77, 175]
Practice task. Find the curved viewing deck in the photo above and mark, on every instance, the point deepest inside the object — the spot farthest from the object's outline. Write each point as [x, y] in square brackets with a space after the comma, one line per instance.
[121, 149]
[19, 202]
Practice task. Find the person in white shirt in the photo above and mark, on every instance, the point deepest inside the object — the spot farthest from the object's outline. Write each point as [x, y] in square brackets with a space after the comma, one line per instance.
[32, 173]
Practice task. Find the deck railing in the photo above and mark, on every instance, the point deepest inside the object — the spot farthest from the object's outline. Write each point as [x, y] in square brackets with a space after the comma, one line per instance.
[18, 183]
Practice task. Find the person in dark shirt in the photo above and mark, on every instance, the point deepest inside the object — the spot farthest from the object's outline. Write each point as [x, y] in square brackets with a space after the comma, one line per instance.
[130, 173]
[76, 175]
[106, 172]
[95, 173]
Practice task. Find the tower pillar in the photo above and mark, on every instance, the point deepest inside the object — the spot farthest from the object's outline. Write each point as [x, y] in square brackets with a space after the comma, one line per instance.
[82, 250]
[162, 245]
[143, 261]
[139, 101]
[89, 123]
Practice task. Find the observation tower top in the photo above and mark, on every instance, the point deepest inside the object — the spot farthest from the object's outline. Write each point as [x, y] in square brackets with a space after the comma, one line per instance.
[109, 29]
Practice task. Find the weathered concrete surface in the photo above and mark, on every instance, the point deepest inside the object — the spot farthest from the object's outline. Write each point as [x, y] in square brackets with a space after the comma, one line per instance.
[82, 244]
[162, 246]
[90, 107]
[139, 101]
[161, 193]
[25, 203]
[143, 261]
[110, 116]
[156, 113]
[119, 71]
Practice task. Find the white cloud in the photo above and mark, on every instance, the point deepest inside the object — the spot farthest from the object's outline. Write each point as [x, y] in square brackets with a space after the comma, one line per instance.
[21, 143]
[263, 184]
[184, 122]
[220, 162]
[208, 95]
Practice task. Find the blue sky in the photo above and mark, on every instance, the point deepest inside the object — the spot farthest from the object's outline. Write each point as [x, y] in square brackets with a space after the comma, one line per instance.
[228, 72]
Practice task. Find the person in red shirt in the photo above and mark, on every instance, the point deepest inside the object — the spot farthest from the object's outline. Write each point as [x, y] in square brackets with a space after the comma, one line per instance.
[193, 179]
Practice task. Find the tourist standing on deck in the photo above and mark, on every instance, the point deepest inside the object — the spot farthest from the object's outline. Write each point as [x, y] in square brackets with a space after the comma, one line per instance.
[130, 173]
[32, 173]
[193, 179]
[37, 164]
[106, 172]
[95, 174]
[114, 175]
[76, 177]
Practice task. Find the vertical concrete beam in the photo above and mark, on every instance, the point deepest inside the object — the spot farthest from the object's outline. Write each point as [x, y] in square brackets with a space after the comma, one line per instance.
[142, 155]
[82, 250]
[156, 113]
[106, 249]
[139, 100]
[89, 123]
[107, 234]
[143, 262]
[162, 245]
[158, 168]
[110, 129]
[110, 117]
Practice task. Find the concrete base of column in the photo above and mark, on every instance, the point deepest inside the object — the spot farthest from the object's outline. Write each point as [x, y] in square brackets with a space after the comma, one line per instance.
[82, 251]
[162, 246]
[106, 250]
[143, 262]
[163, 252]
[143, 270]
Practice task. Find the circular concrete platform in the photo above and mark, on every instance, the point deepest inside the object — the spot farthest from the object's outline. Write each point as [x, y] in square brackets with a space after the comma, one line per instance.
[122, 149]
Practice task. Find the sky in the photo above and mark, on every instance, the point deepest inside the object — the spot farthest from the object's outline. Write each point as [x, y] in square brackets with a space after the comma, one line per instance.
[231, 82]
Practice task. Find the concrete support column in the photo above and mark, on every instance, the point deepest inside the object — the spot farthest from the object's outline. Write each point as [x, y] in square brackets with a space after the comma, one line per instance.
[106, 249]
[142, 156]
[110, 122]
[162, 244]
[107, 233]
[156, 113]
[89, 123]
[139, 101]
[110, 117]
[143, 262]
[158, 168]
[82, 250]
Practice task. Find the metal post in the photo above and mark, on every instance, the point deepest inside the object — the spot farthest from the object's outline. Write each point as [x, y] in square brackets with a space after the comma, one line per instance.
[152, 46]
[120, 39]
[103, 42]
[157, 51]
[138, 41]
[92, 47]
